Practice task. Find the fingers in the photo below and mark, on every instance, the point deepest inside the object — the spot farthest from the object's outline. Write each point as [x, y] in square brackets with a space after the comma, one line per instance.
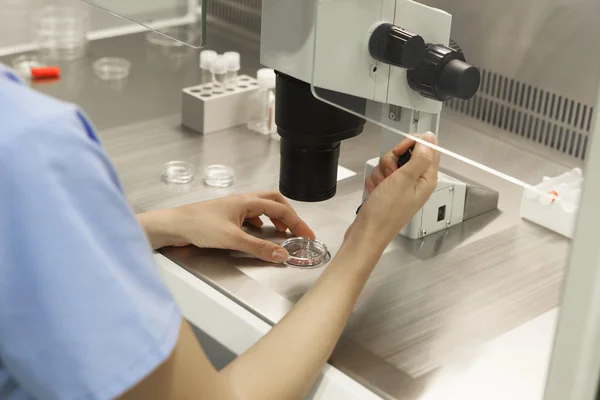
[386, 167]
[259, 248]
[283, 213]
[432, 172]
[369, 186]
[388, 164]
[377, 176]
[280, 226]
[273, 196]
[407, 143]
[256, 221]
[424, 160]
[403, 146]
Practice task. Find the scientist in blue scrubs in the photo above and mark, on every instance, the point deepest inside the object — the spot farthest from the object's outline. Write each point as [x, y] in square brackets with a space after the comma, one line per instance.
[84, 313]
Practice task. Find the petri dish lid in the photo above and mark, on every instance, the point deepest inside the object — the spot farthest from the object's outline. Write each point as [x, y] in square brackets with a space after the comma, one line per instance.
[112, 68]
[178, 172]
[219, 176]
[306, 253]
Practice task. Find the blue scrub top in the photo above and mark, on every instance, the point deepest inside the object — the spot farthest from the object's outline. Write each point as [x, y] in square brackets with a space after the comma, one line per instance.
[84, 313]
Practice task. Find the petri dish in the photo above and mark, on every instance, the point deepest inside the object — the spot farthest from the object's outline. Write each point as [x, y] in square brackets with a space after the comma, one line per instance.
[306, 253]
[22, 65]
[178, 172]
[25, 62]
[61, 31]
[112, 68]
[220, 176]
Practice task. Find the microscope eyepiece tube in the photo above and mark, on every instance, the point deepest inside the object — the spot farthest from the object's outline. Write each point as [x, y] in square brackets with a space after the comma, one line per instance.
[308, 173]
[311, 131]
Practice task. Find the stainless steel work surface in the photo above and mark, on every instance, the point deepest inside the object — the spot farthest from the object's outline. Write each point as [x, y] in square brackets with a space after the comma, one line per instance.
[428, 303]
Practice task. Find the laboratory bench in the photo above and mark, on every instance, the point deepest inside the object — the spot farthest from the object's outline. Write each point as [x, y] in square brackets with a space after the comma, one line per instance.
[467, 313]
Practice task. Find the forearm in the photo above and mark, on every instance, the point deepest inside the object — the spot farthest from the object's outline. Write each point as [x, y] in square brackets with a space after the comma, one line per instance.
[294, 351]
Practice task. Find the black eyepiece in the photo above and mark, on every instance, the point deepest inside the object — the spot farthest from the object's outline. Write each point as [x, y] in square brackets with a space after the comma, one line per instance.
[311, 132]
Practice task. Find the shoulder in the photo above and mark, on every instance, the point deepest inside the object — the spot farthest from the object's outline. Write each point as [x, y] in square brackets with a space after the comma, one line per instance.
[32, 122]
[49, 140]
[28, 116]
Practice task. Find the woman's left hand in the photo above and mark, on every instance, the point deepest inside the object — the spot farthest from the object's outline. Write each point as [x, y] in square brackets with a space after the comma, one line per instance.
[218, 224]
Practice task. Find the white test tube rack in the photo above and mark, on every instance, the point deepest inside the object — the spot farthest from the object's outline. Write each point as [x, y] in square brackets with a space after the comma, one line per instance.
[205, 110]
[555, 202]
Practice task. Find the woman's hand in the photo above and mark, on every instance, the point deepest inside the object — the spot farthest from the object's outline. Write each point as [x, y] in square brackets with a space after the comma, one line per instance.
[218, 224]
[396, 194]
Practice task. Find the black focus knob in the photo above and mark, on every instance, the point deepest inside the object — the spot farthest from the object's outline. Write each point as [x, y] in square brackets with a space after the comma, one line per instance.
[443, 74]
[455, 46]
[393, 45]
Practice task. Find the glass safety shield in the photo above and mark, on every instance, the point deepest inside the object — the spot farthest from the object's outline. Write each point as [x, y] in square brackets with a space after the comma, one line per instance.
[527, 132]
[161, 15]
[394, 64]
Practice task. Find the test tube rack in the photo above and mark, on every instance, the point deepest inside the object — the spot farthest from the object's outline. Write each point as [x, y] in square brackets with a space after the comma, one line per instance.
[205, 110]
[554, 204]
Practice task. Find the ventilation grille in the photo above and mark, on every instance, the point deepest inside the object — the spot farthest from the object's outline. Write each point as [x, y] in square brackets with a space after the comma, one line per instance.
[545, 118]
[239, 14]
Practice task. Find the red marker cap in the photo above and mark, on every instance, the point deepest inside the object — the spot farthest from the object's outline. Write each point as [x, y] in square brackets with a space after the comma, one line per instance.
[45, 72]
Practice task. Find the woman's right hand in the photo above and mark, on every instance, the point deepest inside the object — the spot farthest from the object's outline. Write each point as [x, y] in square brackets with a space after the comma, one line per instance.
[396, 194]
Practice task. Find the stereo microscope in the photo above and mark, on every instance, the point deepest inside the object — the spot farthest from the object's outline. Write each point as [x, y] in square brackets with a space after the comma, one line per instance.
[341, 62]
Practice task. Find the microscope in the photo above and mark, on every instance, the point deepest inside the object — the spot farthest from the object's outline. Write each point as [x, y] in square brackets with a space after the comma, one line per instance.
[341, 62]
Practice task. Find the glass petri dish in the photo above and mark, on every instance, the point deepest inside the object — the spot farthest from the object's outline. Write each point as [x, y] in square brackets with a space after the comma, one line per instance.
[306, 253]
[178, 172]
[25, 62]
[61, 31]
[112, 68]
[22, 65]
[220, 176]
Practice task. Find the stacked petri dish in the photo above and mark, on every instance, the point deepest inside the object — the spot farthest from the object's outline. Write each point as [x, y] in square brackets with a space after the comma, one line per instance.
[178, 172]
[61, 32]
[220, 176]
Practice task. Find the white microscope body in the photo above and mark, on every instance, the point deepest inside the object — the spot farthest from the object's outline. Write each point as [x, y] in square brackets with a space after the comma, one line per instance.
[363, 48]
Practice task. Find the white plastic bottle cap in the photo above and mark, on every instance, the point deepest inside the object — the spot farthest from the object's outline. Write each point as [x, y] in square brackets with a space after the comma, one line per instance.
[233, 60]
[266, 78]
[219, 65]
[206, 59]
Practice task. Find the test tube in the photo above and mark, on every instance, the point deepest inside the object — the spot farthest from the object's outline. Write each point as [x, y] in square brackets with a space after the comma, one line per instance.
[266, 79]
[233, 61]
[262, 103]
[219, 74]
[207, 58]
